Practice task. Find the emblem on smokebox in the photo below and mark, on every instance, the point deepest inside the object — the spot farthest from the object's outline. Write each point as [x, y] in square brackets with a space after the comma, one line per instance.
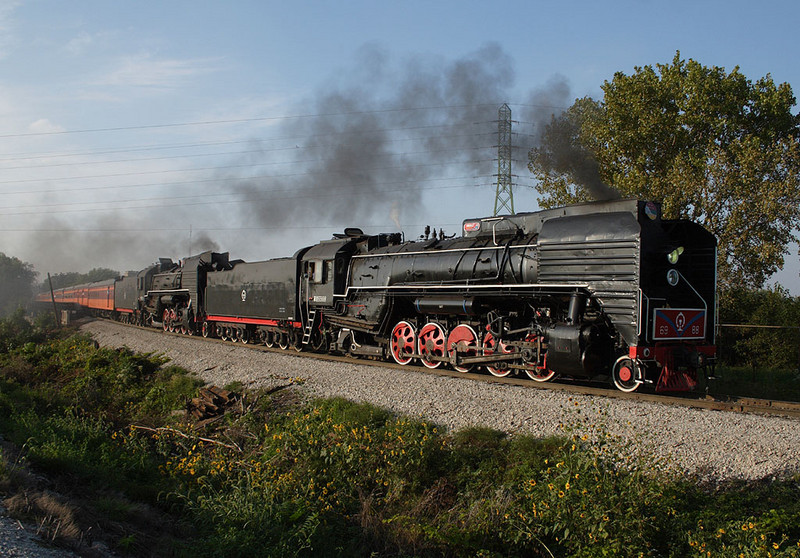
[244, 295]
[679, 323]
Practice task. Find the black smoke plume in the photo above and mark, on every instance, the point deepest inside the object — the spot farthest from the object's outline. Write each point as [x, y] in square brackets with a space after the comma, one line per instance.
[116, 242]
[383, 134]
[375, 144]
[558, 150]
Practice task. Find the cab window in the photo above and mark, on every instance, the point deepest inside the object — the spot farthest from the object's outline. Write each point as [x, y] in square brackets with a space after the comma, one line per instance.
[315, 270]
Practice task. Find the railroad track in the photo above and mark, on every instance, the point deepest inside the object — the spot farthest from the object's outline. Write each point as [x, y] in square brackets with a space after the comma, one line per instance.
[693, 400]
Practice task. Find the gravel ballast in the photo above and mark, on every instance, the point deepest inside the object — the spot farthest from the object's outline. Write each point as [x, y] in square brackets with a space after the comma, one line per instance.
[21, 541]
[715, 445]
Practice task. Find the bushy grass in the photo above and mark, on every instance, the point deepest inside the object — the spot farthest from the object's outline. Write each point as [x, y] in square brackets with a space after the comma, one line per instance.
[64, 403]
[334, 478]
[762, 382]
[339, 479]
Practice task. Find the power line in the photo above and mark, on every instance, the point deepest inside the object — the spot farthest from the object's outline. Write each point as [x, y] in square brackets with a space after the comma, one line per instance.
[249, 164]
[136, 148]
[251, 177]
[235, 121]
[245, 152]
[335, 193]
[203, 194]
[274, 194]
[324, 173]
[336, 226]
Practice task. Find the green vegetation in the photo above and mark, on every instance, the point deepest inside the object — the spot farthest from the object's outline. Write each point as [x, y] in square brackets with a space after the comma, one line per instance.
[759, 356]
[16, 330]
[334, 478]
[760, 383]
[712, 146]
[773, 342]
[16, 278]
[70, 278]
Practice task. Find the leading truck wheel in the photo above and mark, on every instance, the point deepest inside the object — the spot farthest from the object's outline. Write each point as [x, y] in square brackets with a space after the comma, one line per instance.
[404, 340]
[543, 374]
[626, 374]
[165, 321]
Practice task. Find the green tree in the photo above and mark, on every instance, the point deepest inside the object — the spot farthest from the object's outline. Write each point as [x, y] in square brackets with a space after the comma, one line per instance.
[71, 278]
[774, 343]
[17, 279]
[712, 146]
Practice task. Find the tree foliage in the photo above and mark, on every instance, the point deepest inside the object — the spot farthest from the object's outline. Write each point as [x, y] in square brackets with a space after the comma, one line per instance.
[774, 342]
[71, 278]
[17, 279]
[712, 146]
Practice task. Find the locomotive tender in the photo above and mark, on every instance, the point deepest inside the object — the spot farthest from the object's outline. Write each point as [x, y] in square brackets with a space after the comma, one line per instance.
[600, 289]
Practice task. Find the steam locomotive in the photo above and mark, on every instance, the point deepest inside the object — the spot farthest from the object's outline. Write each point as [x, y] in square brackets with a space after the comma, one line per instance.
[591, 291]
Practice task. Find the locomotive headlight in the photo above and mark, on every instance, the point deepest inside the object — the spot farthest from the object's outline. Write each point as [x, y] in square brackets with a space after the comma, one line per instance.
[673, 256]
[673, 277]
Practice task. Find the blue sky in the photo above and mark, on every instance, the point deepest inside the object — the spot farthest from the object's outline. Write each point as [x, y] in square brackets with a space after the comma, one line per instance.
[166, 127]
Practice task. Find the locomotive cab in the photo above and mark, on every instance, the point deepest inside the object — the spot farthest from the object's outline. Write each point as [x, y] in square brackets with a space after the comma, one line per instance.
[323, 268]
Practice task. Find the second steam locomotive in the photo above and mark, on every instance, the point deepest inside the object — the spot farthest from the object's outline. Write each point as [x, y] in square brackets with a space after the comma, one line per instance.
[595, 290]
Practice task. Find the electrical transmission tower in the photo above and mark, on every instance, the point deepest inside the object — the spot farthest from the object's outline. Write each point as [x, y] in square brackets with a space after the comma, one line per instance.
[504, 198]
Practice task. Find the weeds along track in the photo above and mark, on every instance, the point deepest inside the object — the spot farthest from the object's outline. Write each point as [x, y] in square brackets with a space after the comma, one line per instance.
[740, 404]
[688, 436]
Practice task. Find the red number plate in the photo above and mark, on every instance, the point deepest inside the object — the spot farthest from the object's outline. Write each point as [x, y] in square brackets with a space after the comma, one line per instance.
[679, 323]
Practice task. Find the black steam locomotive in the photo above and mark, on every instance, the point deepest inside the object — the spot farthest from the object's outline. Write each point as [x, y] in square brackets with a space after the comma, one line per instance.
[602, 289]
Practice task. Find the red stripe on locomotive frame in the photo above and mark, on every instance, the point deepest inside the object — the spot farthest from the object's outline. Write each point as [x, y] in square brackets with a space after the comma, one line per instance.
[253, 321]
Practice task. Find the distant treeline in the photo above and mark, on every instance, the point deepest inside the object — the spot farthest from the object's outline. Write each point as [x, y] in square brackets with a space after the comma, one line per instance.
[73, 278]
[17, 278]
[19, 281]
[777, 346]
